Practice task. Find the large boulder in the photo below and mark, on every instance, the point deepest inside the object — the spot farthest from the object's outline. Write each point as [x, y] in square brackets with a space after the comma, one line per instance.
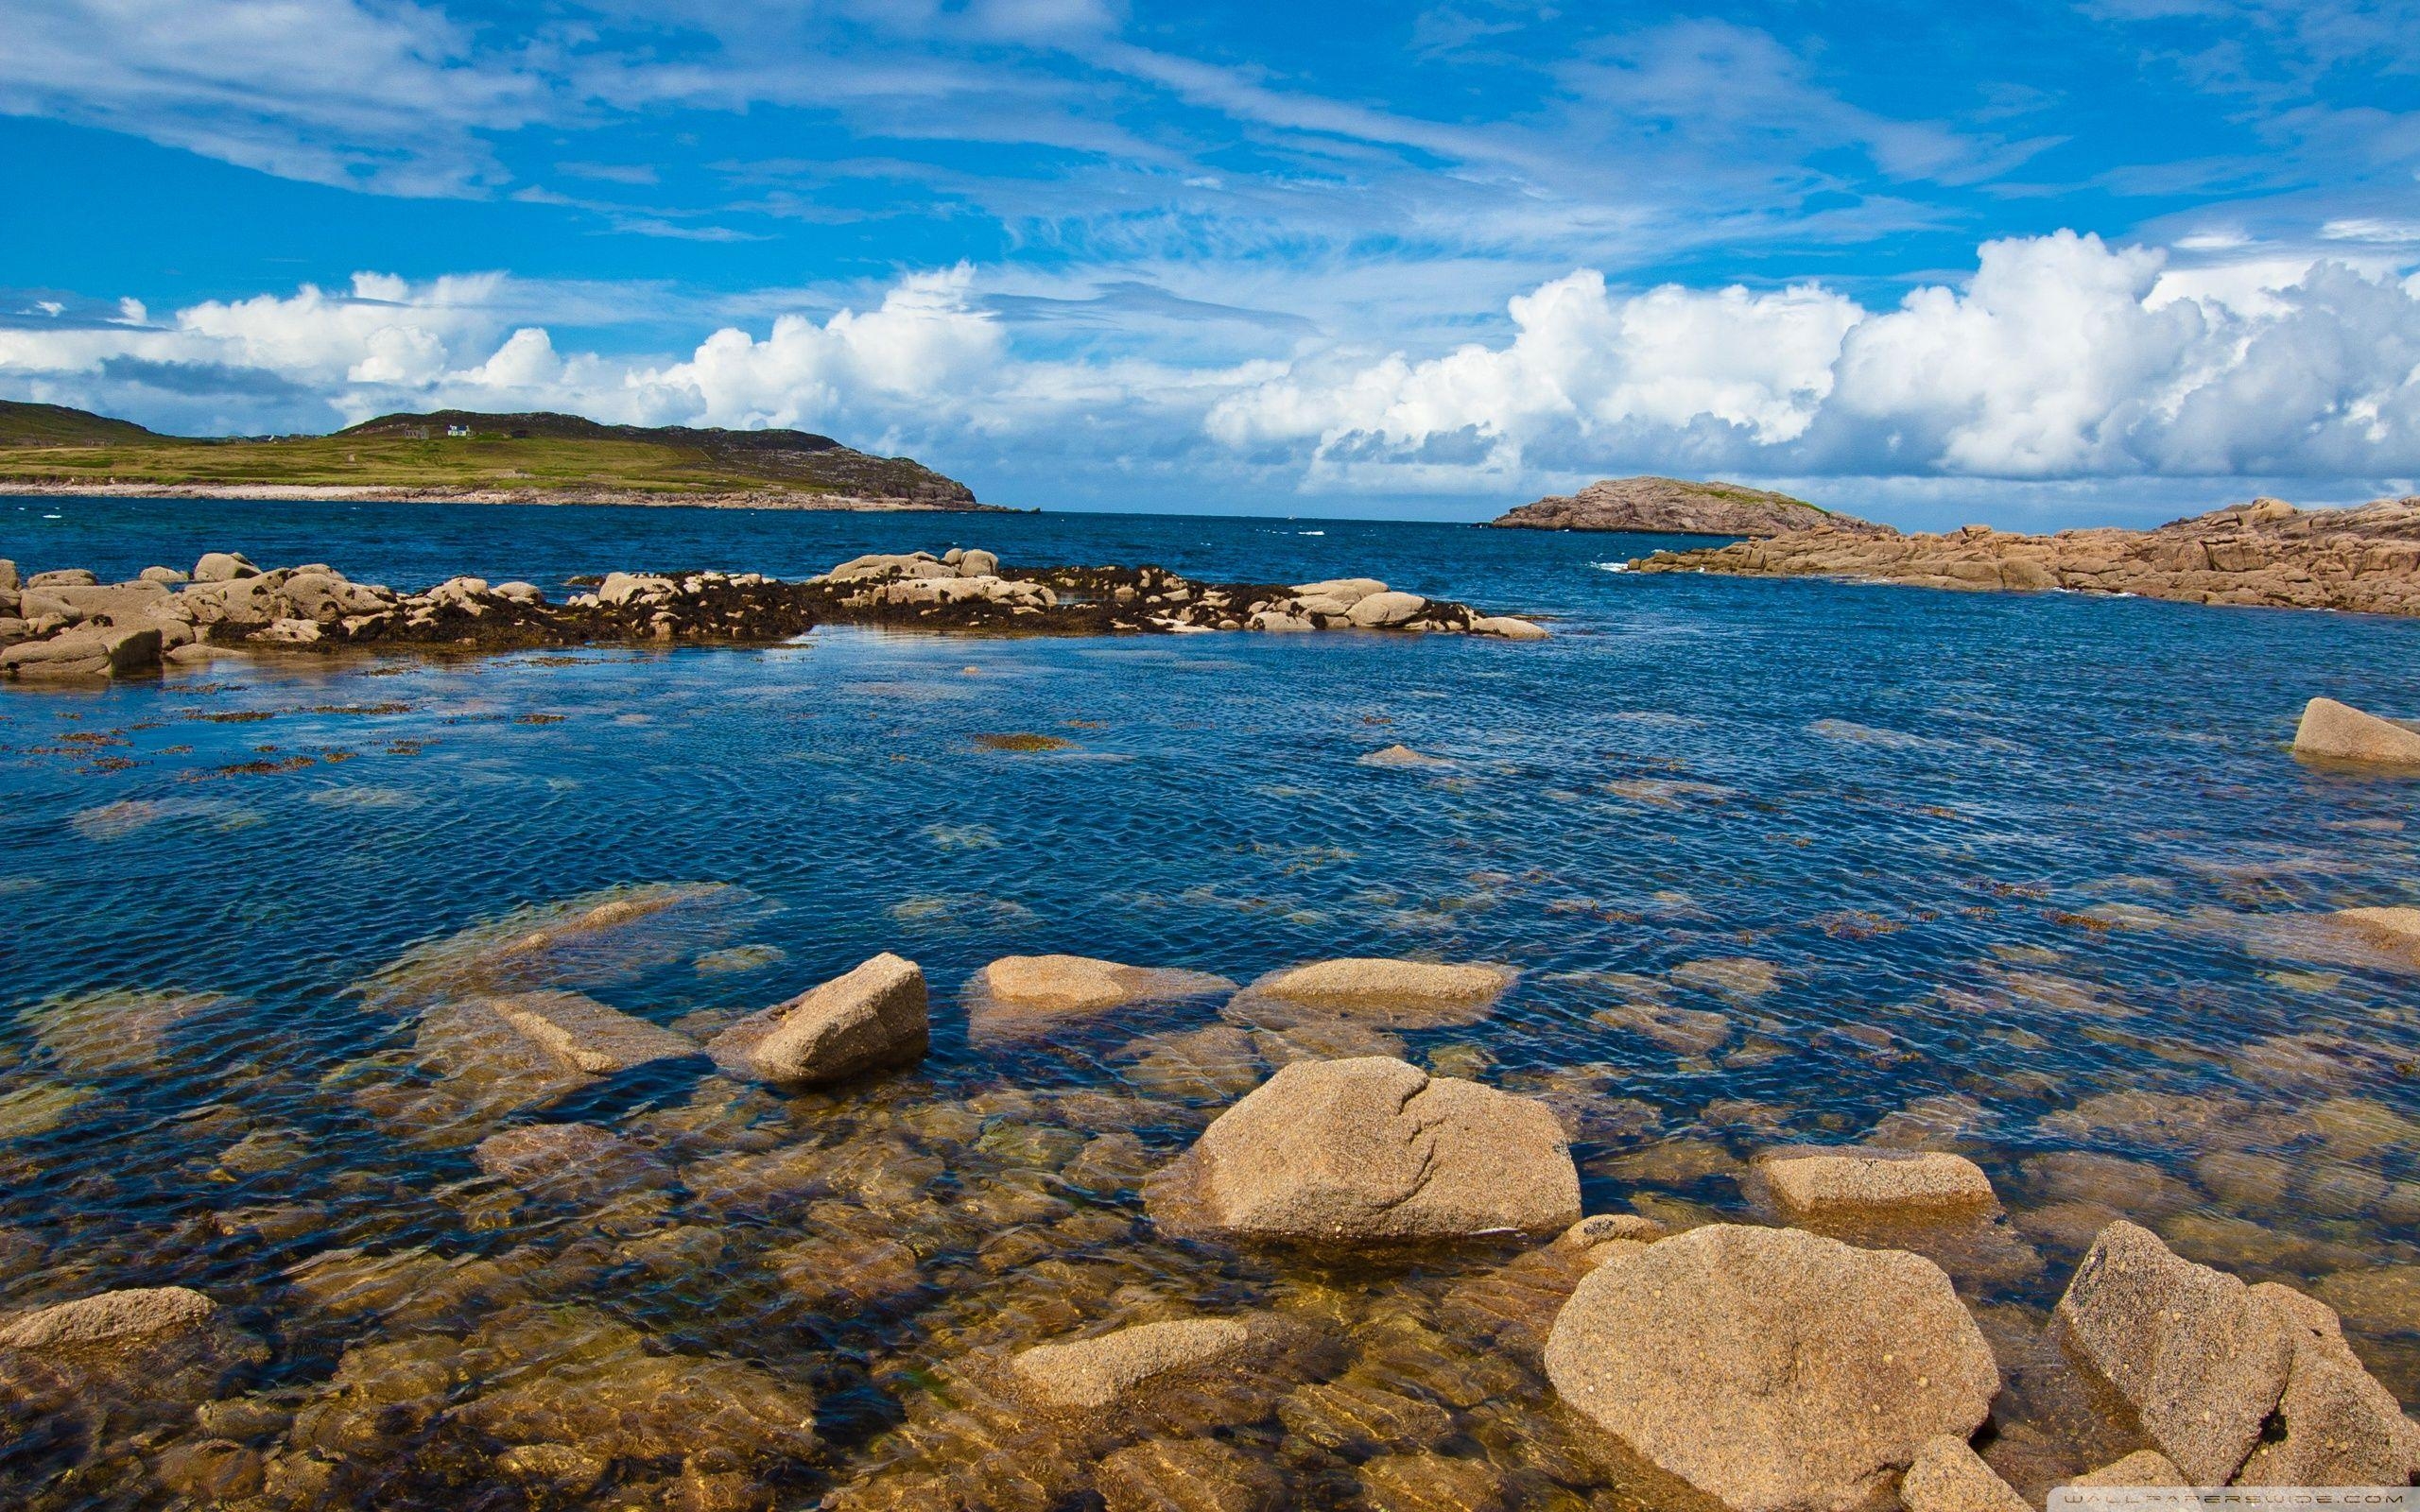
[1381, 611]
[223, 567]
[2200, 1360]
[1772, 1369]
[1373, 1148]
[1875, 1183]
[2339, 732]
[872, 1019]
[1403, 995]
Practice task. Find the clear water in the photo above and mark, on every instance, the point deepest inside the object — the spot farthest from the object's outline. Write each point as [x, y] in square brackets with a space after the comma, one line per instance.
[2028, 877]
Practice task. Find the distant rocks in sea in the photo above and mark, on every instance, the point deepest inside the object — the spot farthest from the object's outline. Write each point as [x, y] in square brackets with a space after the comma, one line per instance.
[2266, 552]
[1675, 506]
[66, 624]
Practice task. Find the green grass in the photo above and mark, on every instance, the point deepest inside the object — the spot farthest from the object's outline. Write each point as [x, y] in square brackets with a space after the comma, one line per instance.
[42, 443]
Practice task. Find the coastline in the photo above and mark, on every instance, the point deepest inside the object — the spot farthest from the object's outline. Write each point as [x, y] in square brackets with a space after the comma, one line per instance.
[382, 493]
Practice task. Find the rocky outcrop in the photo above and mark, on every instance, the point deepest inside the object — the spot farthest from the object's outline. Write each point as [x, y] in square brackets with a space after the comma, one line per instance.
[1673, 506]
[1772, 1369]
[1874, 1183]
[1372, 1148]
[2333, 731]
[1377, 991]
[2265, 553]
[2232, 1382]
[64, 624]
[872, 1019]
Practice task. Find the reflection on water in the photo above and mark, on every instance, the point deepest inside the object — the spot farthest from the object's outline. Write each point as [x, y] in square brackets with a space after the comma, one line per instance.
[2031, 880]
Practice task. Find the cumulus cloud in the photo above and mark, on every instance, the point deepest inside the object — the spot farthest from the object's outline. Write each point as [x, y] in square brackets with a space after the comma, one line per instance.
[2061, 357]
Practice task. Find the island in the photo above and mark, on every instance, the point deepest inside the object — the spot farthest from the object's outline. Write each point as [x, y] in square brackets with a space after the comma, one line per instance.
[2265, 554]
[465, 456]
[1676, 506]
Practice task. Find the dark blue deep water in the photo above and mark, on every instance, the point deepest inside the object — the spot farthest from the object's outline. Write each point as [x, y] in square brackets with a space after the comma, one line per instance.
[2033, 878]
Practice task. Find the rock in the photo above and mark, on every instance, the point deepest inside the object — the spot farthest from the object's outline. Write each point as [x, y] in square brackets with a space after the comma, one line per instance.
[1401, 756]
[1092, 1374]
[289, 633]
[2339, 732]
[2393, 930]
[978, 563]
[1947, 1476]
[1674, 506]
[1430, 1482]
[164, 576]
[211, 1470]
[1866, 1184]
[1336, 596]
[520, 593]
[1050, 987]
[1600, 1235]
[62, 577]
[585, 1035]
[1394, 994]
[2143, 1467]
[10, 581]
[1509, 627]
[2334, 1424]
[1187, 1475]
[576, 1162]
[1772, 1369]
[872, 1019]
[223, 567]
[1371, 1149]
[1380, 611]
[101, 653]
[2198, 1358]
[622, 588]
[111, 1321]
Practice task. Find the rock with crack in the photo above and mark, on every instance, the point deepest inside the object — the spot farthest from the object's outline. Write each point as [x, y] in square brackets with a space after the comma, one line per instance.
[1948, 1476]
[1771, 1369]
[872, 1019]
[2334, 1424]
[2200, 1360]
[1372, 1148]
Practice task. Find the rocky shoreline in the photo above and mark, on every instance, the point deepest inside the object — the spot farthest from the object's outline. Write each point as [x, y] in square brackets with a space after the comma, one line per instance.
[1452, 1332]
[65, 624]
[2267, 554]
[339, 493]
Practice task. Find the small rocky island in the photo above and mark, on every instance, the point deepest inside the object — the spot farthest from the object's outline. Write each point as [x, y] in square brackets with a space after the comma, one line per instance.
[67, 624]
[1674, 506]
[2266, 552]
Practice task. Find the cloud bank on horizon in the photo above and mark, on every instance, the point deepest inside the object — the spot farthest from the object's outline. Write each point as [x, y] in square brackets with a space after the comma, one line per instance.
[1363, 263]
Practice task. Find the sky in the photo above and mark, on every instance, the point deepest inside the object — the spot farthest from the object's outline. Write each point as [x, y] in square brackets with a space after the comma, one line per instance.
[2033, 264]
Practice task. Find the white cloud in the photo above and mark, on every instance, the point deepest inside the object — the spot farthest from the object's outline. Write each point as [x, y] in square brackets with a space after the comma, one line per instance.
[2060, 359]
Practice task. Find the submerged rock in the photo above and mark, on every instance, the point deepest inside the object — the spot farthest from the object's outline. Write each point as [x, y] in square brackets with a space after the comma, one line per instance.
[580, 1162]
[1771, 1369]
[1393, 993]
[872, 1019]
[2395, 930]
[585, 1035]
[1875, 1183]
[1187, 1475]
[2339, 732]
[1091, 1374]
[1372, 1148]
[1050, 988]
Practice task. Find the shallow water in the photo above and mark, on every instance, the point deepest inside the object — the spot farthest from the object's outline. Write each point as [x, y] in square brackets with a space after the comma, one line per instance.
[1782, 862]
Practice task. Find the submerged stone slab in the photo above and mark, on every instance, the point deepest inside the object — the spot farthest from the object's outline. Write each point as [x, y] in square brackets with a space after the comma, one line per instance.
[1016, 988]
[1875, 1183]
[872, 1019]
[1772, 1369]
[587, 1036]
[1096, 1373]
[1394, 994]
[1373, 1148]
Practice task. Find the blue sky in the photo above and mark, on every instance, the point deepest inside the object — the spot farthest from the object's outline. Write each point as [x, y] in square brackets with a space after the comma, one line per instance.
[2034, 263]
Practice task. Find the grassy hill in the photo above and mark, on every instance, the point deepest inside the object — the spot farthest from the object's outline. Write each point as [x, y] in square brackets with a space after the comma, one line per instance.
[460, 449]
